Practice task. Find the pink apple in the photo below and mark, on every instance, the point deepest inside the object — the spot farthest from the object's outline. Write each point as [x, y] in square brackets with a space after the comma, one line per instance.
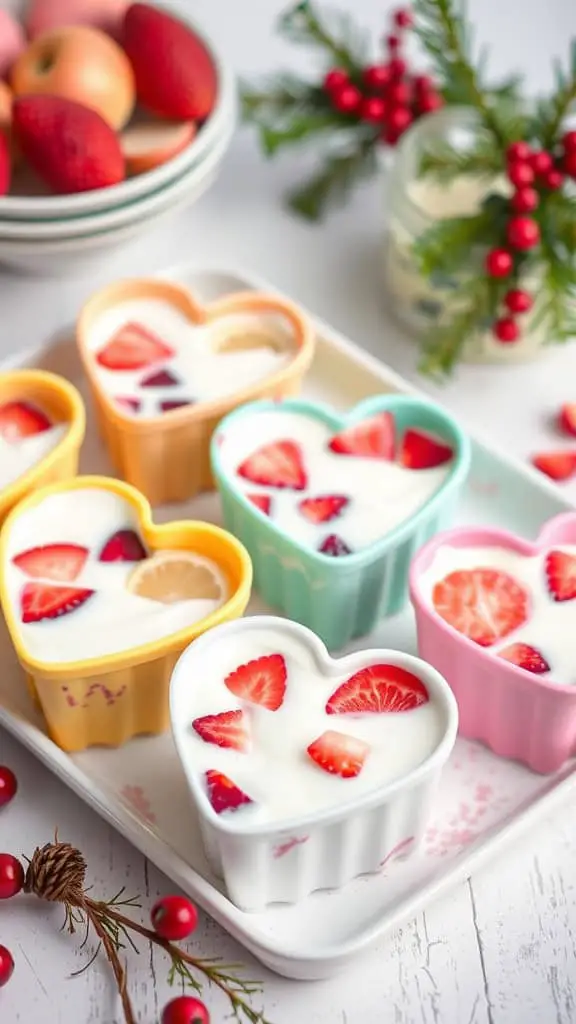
[12, 41]
[46, 14]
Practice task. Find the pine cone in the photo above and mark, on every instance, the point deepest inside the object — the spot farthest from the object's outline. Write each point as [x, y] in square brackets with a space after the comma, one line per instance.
[57, 872]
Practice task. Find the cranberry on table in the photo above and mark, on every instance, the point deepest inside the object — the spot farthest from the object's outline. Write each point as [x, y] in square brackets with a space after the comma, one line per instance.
[372, 109]
[541, 161]
[6, 966]
[174, 918]
[522, 233]
[398, 119]
[185, 1010]
[498, 262]
[506, 330]
[520, 173]
[347, 99]
[518, 151]
[377, 76]
[8, 785]
[335, 79]
[11, 876]
[525, 200]
[518, 301]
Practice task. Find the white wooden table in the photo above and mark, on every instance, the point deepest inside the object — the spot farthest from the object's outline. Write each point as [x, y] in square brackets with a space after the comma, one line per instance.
[500, 949]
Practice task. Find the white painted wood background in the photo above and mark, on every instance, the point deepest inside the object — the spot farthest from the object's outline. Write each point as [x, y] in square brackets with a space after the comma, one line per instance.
[500, 949]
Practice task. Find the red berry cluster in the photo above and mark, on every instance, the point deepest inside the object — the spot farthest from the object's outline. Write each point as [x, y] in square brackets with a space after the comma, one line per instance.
[386, 94]
[533, 173]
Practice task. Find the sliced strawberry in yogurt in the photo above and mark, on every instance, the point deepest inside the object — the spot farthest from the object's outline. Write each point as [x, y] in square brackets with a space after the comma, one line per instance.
[423, 451]
[483, 604]
[123, 546]
[378, 689]
[279, 464]
[227, 729]
[53, 561]
[334, 546]
[128, 404]
[19, 420]
[339, 754]
[174, 403]
[262, 681]
[560, 569]
[374, 438]
[223, 794]
[261, 501]
[161, 379]
[133, 347]
[324, 508]
[527, 657]
[40, 601]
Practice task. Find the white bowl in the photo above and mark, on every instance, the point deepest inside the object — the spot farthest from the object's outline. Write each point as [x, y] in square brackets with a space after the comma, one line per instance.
[30, 208]
[139, 210]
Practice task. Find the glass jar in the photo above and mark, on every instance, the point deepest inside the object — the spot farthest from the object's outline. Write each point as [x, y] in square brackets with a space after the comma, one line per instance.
[415, 203]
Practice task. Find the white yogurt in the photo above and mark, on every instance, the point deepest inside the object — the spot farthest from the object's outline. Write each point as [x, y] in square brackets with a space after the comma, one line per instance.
[276, 772]
[112, 619]
[204, 372]
[17, 457]
[551, 624]
[382, 494]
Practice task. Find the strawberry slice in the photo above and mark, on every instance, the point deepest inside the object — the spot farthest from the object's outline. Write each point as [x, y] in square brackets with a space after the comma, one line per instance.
[174, 403]
[42, 601]
[527, 657]
[123, 546]
[558, 465]
[262, 501]
[278, 464]
[560, 569]
[378, 689]
[374, 438]
[567, 419]
[162, 379]
[62, 562]
[129, 404]
[339, 754]
[20, 419]
[133, 347]
[483, 604]
[334, 546]
[423, 451]
[223, 794]
[323, 508]
[262, 681]
[225, 730]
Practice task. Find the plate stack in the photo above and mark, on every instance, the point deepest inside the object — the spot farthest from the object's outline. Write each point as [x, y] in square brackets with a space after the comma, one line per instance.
[46, 232]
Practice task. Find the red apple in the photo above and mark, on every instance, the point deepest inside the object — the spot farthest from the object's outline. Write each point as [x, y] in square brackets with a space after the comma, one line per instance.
[81, 64]
[107, 15]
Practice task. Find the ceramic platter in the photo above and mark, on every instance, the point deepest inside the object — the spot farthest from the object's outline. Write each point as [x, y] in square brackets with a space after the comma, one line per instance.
[482, 802]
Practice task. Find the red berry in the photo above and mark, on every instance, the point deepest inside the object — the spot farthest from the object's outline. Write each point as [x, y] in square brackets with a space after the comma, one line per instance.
[569, 162]
[185, 1010]
[569, 142]
[372, 109]
[174, 918]
[553, 179]
[8, 785]
[518, 301]
[525, 200]
[399, 94]
[506, 330]
[11, 876]
[393, 43]
[377, 77]
[6, 966]
[423, 83]
[541, 161]
[347, 99]
[428, 102]
[522, 233]
[498, 263]
[398, 119]
[335, 79]
[520, 173]
[518, 151]
[397, 67]
[403, 18]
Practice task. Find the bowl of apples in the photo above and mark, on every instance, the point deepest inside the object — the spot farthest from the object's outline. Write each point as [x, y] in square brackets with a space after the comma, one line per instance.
[112, 114]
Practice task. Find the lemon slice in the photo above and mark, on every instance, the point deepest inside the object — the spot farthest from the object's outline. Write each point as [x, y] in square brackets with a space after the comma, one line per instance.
[171, 576]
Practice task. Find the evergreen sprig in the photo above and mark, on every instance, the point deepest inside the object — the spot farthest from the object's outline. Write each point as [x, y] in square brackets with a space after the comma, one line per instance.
[334, 33]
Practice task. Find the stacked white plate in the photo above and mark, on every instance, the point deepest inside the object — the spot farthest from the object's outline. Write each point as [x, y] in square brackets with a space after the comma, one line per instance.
[43, 234]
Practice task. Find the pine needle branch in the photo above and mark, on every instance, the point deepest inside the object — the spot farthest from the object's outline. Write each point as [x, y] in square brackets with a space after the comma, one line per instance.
[445, 162]
[335, 34]
[335, 180]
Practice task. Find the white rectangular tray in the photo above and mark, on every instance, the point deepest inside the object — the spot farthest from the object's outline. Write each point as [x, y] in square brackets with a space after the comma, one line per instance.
[140, 788]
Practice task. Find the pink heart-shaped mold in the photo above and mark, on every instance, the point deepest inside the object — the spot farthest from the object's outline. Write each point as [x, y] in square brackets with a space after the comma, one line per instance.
[519, 715]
